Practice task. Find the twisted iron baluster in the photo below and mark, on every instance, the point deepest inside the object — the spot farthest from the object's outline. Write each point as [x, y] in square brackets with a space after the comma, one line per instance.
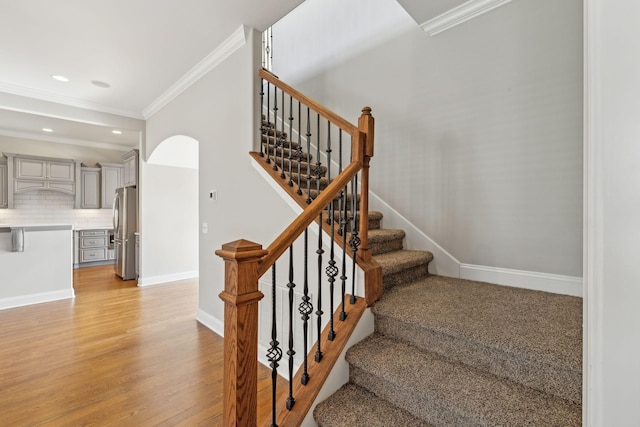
[305, 308]
[291, 353]
[354, 241]
[320, 251]
[274, 355]
[299, 149]
[290, 139]
[342, 231]
[283, 140]
[275, 129]
[268, 136]
[262, 129]
[308, 159]
[332, 270]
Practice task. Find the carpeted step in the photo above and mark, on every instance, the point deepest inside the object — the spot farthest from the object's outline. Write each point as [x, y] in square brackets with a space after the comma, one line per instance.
[385, 240]
[278, 150]
[268, 127]
[446, 393]
[269, 140]
[403, 266]
[294, 165]
[314, 193]
[363, 409]
[531, 337]
[324, 182]
[374, 218]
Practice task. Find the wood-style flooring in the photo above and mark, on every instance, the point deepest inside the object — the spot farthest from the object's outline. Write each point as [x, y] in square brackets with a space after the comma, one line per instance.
[116, 355]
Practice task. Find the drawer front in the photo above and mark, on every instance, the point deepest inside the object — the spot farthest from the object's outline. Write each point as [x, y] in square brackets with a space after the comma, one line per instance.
[93, 233]
[98, 254]
[93, 242]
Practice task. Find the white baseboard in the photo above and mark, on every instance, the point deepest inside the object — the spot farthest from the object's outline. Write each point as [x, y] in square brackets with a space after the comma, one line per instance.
[554, 283]
[165, 278]
[23, 300]
[211, 322]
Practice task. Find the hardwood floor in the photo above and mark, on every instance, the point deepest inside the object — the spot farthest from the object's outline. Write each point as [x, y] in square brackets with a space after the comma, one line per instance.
[115, 355]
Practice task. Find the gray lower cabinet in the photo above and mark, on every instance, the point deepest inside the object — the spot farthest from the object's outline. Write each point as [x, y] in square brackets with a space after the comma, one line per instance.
[92, 247]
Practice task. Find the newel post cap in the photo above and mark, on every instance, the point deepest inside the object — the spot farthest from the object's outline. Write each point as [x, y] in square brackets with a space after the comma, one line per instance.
[241, 250]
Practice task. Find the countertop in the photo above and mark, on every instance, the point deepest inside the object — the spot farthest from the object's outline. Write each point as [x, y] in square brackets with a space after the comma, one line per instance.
[35, 227]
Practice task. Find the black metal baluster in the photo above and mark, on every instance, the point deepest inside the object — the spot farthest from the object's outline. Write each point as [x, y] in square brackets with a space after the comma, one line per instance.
[275, 129]
[299, 148]
[290, 139]
[268, 136]
[318, 171]
[262, 129]
[305, 308]
[319, 312]
[332, 270]
[342, 218]
[283, 140]
[354, 241]
[308, 159]
[274, 355]
[291, 353]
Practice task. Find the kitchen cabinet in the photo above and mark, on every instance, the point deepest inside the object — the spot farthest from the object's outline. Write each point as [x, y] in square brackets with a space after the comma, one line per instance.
[90, 188]
[130, 160]
[4, 190]
[29, 173]
[112, 177]
[92, 247]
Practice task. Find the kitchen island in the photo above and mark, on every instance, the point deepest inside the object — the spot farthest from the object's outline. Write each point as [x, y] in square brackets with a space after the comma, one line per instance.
[42, 271]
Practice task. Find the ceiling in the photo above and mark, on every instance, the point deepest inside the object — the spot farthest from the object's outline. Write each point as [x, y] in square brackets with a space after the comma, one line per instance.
[139, 47]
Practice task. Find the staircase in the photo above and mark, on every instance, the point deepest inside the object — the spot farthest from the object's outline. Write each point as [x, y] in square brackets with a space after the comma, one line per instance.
[449, 352]
[452, 352]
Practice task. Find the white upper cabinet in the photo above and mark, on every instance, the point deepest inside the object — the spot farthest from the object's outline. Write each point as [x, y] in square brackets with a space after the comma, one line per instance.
[112, 178]
[130, 168]
[90, 188]
[4, 192]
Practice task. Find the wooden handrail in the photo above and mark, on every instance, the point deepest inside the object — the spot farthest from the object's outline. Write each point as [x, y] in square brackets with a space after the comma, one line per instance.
[297, 227]
[318, 108]
[246, 261]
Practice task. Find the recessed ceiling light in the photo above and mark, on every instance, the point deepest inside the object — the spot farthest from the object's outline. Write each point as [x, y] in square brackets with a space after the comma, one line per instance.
[117, 132]
[47, 130]
[59, 78]
[98, 83]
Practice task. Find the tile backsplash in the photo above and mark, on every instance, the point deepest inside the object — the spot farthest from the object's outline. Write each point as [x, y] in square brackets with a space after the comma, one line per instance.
[49, 207]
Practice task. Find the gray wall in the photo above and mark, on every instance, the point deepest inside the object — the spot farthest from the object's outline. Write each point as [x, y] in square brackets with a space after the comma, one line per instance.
[478, 129]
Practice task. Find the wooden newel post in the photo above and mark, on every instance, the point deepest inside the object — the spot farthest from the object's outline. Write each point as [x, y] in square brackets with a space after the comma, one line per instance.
[241, 297]
[366, 126]
[372, 270]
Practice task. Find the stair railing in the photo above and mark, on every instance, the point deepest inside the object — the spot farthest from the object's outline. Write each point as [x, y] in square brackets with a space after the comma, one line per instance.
[339, 205]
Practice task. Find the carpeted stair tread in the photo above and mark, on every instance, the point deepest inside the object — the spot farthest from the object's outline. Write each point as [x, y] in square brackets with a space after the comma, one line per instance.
[324, 182]
[287, 151]
[363, 409]
[447, 393]
[385, 240]
[294, 165]
[529, 336]
[397, 261]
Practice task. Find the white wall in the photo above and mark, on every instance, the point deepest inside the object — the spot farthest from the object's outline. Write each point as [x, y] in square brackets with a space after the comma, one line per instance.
[478, 130]
[612, 294]
[169, 226]
[220, 111]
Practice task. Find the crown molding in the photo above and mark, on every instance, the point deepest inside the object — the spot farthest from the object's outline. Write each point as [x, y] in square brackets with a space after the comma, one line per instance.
[69, 141]
[460, 14]
[235, 41]
[65, 100]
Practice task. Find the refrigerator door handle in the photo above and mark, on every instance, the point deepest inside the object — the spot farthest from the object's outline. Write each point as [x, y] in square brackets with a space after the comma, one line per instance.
[116, 206]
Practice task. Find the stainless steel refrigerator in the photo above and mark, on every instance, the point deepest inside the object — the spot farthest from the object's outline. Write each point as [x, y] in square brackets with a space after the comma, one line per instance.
[125, 222]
